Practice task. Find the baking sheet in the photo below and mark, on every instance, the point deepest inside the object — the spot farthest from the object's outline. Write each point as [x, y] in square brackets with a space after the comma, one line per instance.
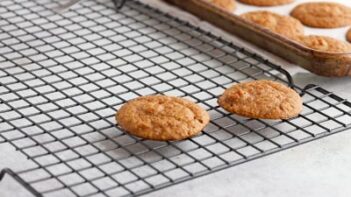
[323, 63]
[338, 33]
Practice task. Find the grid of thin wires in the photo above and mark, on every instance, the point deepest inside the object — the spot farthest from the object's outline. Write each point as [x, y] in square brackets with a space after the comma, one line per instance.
[64, 76]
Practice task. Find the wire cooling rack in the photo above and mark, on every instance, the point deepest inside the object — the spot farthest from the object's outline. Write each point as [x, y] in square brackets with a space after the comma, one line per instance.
[64, 76]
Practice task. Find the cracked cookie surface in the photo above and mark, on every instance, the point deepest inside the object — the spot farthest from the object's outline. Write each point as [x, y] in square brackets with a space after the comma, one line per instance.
[228, 5]
[163, 118]
[261, 99]
[323, 14]
[283, 25]
[324, 43]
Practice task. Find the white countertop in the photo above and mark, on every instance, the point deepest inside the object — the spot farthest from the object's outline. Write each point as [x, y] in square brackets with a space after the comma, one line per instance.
[319, 168]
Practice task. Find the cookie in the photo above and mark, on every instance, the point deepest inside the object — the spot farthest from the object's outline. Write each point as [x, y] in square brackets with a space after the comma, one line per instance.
[266, 2]
[324, 43]
[228, 5]
[162, 118]
[348, 35]
[323, 14]
[283, 25]
[261, 99]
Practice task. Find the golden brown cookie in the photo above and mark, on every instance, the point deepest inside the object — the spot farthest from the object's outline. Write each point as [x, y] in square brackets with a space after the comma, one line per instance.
[228, 5]
[348, 35]
[261, 99]
[324, 43]
[283, 25]
[266, 2]
[323, 14]
[162, 118]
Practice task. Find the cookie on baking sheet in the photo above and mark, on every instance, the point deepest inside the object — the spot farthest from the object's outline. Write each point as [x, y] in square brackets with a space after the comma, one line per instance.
[283, 25]
[323, 14]
[348, 35]
[160, 117]
[324, 43]
[261, 99]
[266, 2]
[228, 5]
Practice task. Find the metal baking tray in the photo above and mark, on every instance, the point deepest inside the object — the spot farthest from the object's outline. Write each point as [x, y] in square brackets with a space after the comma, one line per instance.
[318, 62]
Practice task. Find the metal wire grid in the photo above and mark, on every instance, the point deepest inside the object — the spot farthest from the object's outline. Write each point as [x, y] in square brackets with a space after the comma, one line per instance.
[63, 77]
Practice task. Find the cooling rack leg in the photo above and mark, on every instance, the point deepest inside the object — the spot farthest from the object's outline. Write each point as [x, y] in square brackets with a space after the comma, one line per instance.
[19, 180]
